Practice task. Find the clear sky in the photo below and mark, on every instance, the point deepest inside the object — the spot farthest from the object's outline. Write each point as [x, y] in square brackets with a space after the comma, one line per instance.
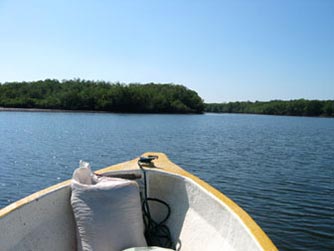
[225, 50]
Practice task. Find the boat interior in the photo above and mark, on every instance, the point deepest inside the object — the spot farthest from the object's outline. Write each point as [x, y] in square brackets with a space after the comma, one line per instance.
[199, 220]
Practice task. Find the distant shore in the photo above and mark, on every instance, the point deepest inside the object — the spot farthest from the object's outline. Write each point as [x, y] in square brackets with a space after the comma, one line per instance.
[104, 97]
[87, 95]
[12, 109]
[297, 107]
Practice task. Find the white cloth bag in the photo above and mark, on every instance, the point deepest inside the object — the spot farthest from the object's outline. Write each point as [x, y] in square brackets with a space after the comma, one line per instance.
[107, 212]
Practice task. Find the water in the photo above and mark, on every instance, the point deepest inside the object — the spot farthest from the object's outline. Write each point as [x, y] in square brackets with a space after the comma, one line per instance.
[279, 169]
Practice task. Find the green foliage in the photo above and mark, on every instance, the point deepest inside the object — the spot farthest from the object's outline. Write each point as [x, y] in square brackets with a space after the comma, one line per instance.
[299, 107]
[100, 96]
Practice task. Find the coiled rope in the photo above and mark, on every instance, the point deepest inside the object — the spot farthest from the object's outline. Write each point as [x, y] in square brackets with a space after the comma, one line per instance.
[156, 233]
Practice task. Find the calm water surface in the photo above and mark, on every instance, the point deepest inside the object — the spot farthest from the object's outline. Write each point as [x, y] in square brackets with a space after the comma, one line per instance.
[279, 169]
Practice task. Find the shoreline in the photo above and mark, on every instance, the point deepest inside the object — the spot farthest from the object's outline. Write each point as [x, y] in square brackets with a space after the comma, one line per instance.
[13, 109]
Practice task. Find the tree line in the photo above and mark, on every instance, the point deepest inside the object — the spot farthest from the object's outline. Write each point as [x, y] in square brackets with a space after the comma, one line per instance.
[79, 94]
[299, 107]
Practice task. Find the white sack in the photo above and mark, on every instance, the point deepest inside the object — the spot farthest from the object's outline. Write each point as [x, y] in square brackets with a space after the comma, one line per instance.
[107, 212]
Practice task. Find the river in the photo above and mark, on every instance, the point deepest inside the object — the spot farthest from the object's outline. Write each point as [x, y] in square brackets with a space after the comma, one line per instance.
[279, 169]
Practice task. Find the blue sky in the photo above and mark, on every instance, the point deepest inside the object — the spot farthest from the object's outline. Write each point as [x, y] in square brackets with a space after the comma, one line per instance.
[225, 50]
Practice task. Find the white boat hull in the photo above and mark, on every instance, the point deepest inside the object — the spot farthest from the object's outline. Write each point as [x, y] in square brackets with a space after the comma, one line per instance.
[202, 218]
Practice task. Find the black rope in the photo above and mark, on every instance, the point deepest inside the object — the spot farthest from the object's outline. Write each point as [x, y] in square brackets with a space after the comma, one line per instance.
[156, 233]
